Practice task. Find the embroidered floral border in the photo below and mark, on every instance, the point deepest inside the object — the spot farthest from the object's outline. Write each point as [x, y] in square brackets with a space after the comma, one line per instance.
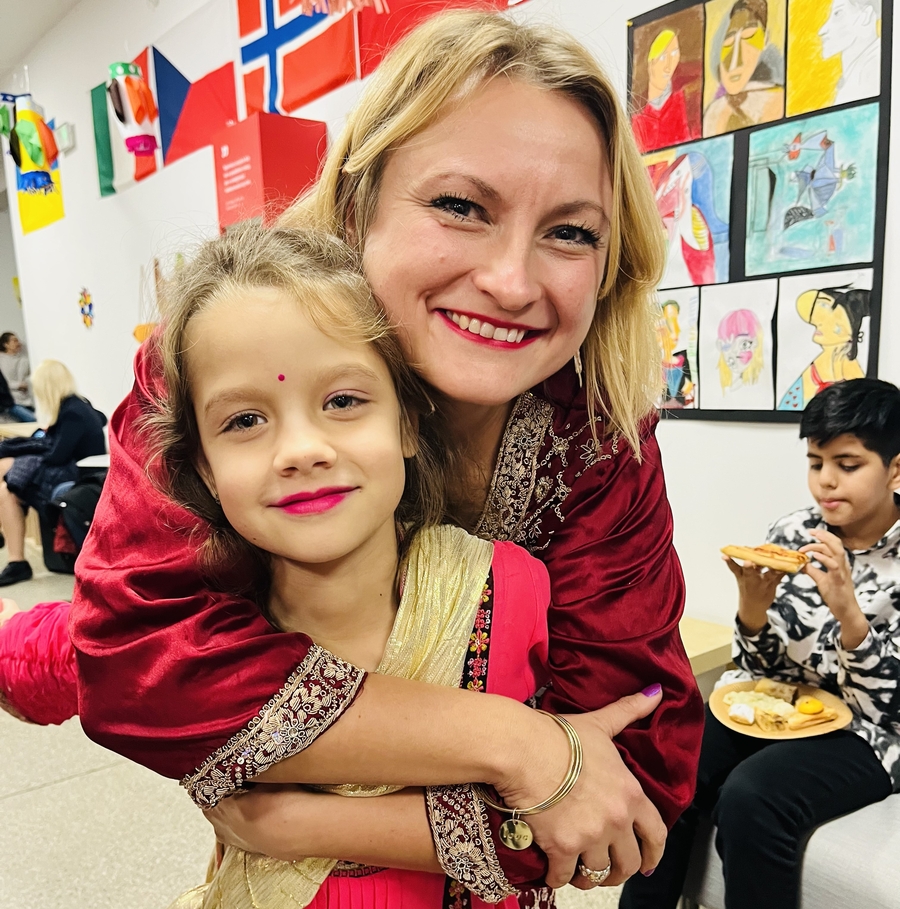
[314, 696]
[462, 837]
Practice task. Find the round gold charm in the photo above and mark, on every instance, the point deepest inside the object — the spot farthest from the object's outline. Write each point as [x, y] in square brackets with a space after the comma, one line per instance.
[516, 834]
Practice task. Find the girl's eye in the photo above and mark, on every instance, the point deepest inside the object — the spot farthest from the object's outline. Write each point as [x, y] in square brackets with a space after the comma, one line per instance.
[243, 421]
[343, 402]
[456, 206]
[580, 235]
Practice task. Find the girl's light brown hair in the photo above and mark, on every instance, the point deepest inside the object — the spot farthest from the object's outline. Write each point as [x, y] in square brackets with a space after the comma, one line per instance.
[322, 276]
[441, 63]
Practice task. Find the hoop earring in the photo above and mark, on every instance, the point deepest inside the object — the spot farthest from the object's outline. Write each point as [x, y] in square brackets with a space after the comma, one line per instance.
[579, 371]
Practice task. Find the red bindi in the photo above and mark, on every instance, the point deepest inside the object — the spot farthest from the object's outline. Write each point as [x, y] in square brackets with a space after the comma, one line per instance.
[281, 378]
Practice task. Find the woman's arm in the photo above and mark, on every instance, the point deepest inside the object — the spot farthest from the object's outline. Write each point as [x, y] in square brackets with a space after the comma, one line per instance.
[617, 597]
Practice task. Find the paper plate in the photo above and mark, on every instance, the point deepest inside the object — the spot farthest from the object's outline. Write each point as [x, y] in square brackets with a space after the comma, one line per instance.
[720, 711]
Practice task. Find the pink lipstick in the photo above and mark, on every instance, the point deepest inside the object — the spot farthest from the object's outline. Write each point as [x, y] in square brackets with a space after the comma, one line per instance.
[316, 502]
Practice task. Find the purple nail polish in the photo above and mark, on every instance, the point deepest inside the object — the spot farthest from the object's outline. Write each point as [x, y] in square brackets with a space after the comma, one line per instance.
[648, 873]
[652, 691]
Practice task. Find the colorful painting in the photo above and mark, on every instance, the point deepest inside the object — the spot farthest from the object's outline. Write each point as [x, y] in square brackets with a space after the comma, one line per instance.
[677, 330]
[744, 64]
[736, 345]
[823, 333]
[86, 307]
[811, 192]
[667, 80]
[692, 184]
[834, 53]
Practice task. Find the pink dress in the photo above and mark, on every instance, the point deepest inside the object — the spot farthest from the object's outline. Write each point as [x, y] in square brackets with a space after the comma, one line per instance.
[508, 656]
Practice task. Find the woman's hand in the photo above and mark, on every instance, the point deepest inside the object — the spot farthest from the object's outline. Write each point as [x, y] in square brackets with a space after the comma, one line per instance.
[756, 592]
[606, 818]
[8, 608]
[263, 819]
[836, 586]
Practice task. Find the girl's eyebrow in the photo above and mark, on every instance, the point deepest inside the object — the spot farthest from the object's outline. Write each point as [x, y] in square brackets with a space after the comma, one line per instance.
[229, 396]
[347, 371]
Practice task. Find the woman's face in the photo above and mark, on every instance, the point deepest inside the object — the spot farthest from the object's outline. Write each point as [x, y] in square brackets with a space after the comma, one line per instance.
[661, 69]
[741, 50]
[490, 239]
[13, 345]
[831, 322]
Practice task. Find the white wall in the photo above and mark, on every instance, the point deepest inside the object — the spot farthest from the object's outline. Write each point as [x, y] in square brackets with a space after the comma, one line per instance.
[10, 311]
[727, 482]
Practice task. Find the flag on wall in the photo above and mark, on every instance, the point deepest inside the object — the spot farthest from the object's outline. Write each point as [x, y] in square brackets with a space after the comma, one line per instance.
[190, 114]
[289, 58]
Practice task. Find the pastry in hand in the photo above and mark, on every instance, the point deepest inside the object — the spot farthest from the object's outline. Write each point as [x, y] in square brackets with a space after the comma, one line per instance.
[780, 690]
[769, 556]
[804, 720]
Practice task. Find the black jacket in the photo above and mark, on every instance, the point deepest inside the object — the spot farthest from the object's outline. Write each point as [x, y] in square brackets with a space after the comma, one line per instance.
[76, 434]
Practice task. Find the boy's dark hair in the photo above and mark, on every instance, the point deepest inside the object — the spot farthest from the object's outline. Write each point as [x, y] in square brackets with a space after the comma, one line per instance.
[866, 408]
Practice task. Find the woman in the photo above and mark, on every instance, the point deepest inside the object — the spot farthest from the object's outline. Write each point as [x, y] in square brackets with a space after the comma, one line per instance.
[75, 431]
[514, 240]
[750, 72]
[17, 372]
[837, 314]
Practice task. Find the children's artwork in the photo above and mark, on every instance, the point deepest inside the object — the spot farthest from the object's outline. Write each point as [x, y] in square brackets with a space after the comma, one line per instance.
[736, 345]
[834, 53]
[744, 83]
[811, 192]
[677, 330]
[776, 218]
[134, 107]
[692, 184]
[667, 80]
[33, 149]
[823, 333]
[86, 305]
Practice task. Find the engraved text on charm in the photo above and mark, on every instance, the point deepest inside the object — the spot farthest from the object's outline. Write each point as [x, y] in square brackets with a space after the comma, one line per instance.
[516, 834]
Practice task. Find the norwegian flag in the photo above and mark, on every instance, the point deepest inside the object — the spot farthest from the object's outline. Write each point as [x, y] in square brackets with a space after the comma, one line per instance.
[294, 51]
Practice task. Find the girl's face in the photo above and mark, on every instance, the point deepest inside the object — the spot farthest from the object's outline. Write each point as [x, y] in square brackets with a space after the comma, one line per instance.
[490, 239]
[300, 433]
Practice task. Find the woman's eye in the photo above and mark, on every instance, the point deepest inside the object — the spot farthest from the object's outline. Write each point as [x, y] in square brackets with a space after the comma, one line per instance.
[343, 402]
[456, 206]
[244, 421]
[571, 233]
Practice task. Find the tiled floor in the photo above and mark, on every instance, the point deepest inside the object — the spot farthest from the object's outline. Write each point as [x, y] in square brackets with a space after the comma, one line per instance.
[81, 828]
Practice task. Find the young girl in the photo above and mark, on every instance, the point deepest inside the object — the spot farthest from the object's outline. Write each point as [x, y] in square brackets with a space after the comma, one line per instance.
[307, 471]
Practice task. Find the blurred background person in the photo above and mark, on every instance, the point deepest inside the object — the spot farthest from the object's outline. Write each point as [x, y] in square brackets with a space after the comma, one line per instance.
[17, 371]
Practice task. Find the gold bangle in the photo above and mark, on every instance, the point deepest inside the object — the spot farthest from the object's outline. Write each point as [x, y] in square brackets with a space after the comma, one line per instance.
[515, 833]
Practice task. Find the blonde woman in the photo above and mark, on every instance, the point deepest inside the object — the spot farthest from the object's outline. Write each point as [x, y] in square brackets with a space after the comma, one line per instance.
[489, 179]
[74, 431]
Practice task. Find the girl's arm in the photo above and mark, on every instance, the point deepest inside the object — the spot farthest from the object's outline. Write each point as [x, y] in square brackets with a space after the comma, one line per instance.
[290, 823]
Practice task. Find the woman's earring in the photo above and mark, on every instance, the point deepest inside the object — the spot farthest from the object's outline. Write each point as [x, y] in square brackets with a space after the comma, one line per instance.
[216, 498]
[578, 368]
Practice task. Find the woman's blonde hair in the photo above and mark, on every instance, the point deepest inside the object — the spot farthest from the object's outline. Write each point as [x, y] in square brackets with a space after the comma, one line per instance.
[51, 383]
[322, 276]
[448, 58]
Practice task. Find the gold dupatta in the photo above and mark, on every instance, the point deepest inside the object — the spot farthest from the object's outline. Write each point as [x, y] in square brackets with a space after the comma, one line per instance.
[445, 575]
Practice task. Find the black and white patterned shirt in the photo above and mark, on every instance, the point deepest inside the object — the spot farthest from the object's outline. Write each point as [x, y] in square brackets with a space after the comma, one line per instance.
[802, 640]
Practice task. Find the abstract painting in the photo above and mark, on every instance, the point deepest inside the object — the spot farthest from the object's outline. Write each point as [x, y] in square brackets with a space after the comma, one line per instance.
[736, 345]
[811, 192]
[823, 333]
[692, 185]
[667, 80]
[677, 330]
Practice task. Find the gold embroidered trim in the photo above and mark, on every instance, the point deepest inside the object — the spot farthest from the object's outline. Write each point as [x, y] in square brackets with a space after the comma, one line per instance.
[525, 484]
[314, 696]
[462, 838]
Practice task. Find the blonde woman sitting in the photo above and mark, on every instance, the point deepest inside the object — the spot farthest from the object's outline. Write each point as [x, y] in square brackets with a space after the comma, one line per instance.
[74, 431]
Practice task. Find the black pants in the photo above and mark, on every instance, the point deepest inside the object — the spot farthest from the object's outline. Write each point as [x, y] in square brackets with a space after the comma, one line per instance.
[765, 798]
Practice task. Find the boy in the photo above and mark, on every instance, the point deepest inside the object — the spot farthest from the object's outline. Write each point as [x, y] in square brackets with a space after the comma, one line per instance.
[835, 626]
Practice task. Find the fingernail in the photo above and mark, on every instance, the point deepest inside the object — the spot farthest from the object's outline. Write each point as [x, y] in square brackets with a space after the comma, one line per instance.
[648, 873]
[652, 691]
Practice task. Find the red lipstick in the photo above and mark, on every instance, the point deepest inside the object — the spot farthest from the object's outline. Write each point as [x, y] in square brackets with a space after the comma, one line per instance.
[315, 502]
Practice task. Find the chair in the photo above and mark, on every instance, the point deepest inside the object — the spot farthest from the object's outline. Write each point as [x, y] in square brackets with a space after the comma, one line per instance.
[849, 863]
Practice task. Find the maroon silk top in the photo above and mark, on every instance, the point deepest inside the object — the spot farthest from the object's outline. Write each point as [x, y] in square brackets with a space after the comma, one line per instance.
[195, 684]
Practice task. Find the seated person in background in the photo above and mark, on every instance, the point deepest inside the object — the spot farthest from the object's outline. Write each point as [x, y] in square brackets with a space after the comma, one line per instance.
[835, 627]
[17, 371]
[75, 431]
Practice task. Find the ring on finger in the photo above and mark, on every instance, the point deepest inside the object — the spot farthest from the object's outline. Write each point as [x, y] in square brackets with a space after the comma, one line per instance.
[595, 877]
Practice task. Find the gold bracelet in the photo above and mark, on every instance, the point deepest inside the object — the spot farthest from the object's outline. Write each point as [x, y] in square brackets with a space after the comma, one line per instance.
[515, 833]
